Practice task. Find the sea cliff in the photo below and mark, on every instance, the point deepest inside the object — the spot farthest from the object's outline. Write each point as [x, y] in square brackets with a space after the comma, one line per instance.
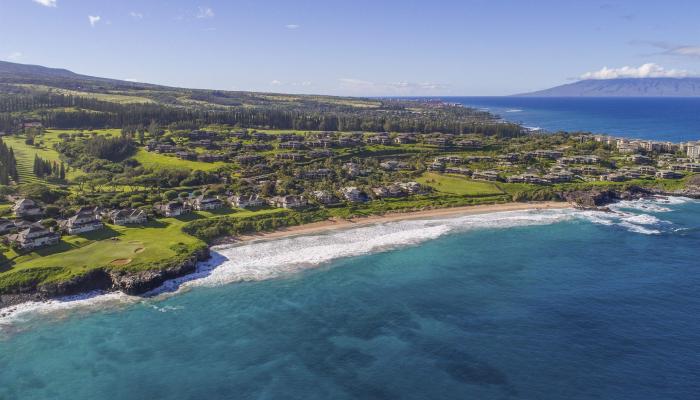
[129, 281]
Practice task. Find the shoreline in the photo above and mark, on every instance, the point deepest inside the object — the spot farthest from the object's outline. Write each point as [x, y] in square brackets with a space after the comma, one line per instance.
[9, 303]
[339, 224]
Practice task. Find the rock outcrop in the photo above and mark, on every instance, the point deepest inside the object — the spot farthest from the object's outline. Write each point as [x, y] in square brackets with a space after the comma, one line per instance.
[133, 282]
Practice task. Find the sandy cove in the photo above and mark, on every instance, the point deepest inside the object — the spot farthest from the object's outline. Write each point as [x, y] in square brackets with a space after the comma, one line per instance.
[335, 224]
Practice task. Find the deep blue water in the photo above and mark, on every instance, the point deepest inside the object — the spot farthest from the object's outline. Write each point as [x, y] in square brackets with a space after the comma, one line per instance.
[668, 119]
[540, 305]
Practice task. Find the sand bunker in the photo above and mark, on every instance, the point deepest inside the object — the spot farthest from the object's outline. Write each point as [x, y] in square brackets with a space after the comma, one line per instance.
[121, 261]
[139, 249]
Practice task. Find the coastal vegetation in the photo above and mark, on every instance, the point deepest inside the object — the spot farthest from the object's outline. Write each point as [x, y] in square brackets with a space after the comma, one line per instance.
[102, 178]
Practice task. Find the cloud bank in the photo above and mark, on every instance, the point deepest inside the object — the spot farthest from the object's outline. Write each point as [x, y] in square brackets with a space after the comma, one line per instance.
[648, 70]
[352, 85]
[47, 3]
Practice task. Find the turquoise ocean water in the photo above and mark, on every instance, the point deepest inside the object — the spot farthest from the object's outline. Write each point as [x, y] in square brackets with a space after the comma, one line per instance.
[554, 304]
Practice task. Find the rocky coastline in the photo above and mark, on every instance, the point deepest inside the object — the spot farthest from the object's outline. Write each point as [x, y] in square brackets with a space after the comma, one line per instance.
[106, 279]
[137, 282]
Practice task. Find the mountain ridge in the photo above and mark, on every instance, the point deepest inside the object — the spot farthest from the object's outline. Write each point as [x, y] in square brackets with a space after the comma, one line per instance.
[623, 87]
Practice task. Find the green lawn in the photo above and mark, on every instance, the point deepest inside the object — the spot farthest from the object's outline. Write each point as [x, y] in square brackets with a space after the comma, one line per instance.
[25, 153]
[132, 247]
[151, 159]
[455, 184]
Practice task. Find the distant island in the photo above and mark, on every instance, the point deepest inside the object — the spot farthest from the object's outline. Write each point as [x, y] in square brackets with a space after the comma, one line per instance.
[624, 87]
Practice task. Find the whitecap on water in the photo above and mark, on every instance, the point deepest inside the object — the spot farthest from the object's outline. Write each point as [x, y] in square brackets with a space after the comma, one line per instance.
[269, 259]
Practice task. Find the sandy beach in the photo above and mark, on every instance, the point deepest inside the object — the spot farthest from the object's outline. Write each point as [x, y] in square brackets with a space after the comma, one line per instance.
[333, 224]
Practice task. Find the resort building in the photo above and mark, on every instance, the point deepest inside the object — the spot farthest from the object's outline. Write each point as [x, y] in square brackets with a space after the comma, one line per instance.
[246, 201]
[83, 221]
[128, 217]
[201, 203]
[27, 208]
[353, 194]
[326, 198]
[289, 201]
[32, 237]
[173, 209]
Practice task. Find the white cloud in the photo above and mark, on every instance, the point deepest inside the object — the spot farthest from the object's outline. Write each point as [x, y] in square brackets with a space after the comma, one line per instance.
[94, 19]
[292, 26]
[648, 70]
[672, 49]
[205, 12]
[360, 86]
[47, 3]
[275, 82]
[136, 15]
[14, 56]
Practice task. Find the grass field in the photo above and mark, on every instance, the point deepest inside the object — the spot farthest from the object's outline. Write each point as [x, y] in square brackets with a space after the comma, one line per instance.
[150, 159]
[110, 97]
[455, 184]
[25, 153]
[133, 247]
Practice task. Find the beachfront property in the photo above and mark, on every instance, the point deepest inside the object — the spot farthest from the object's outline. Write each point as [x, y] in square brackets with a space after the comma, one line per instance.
[128, 217]
[353, 194]
[202, 203]
[173, 209]
[693, 150]
[32, 237]
[27, 208]
[668, 174]
[325, 197]
[488, 175]
[85, 220]
[289, 201]
[246, 201]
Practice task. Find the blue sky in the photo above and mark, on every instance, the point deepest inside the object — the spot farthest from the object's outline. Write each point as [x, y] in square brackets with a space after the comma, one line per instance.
[469, 47]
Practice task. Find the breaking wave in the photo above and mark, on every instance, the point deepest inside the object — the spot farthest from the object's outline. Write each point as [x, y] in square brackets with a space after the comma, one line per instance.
[254, 261]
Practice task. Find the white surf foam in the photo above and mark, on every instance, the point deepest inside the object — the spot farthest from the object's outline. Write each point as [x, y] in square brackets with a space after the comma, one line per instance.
[269, 259]
[265, 260]
[58, 308]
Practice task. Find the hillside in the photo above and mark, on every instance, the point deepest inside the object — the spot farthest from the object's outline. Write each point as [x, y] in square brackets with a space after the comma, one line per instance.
[61, 99]
[626, 87]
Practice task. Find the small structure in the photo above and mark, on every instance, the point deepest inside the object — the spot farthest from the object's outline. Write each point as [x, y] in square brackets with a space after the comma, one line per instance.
[128, 217]
[27, 208]
[83, 221]
[32, 237]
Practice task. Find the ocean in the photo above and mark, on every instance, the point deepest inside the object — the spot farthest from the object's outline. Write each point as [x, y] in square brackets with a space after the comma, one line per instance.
[667, 119]
[548, 304]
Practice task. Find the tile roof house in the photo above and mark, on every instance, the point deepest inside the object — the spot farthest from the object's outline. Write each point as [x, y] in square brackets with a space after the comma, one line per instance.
[32, 237]
[246, 201]
[27, 208]
[84, 220]
[173, 209]
[128, 217]
[206, 203]
[289, 201]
